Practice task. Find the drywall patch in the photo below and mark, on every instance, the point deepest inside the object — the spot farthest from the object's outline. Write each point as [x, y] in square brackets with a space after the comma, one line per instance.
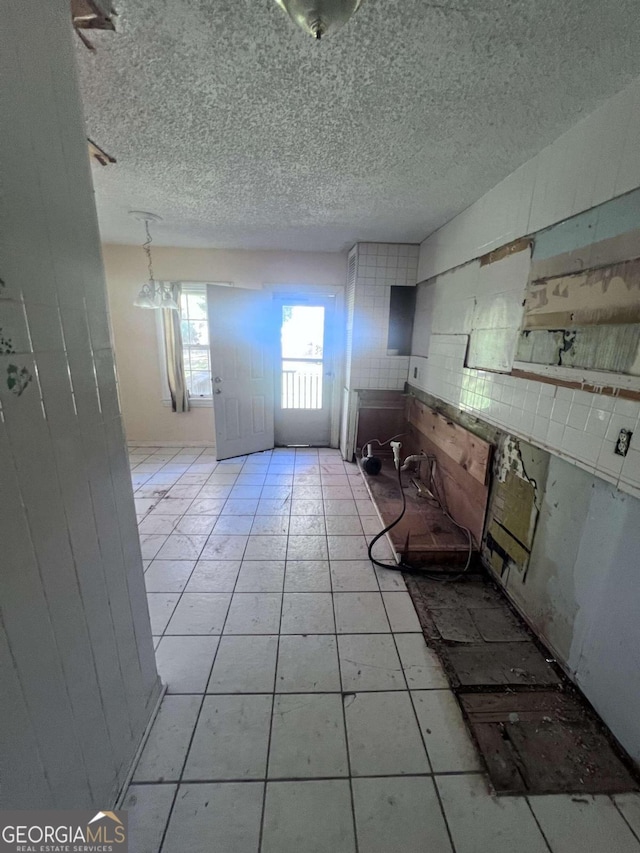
[513, 507]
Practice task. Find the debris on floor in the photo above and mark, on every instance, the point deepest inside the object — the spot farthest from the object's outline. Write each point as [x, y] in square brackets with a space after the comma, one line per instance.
[534, 730]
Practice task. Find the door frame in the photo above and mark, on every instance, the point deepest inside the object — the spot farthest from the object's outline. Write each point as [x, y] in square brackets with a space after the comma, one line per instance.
[338, 336]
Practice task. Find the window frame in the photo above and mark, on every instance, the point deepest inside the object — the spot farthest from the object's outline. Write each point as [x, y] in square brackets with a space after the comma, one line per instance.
[194, 402]
[197, 290]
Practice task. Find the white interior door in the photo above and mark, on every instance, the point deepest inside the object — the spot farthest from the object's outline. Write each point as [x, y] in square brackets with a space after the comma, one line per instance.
[243, 337]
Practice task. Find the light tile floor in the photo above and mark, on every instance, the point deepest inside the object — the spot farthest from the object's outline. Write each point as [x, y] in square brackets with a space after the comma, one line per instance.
[304, 712]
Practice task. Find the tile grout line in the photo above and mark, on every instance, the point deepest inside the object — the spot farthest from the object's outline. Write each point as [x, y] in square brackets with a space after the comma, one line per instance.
[273, 704]
[415, 715]
[293, 633]
[344, 715]
[302, 692]
[537, 823]
[198, 715]
[624, 818]
[154, 783]
[180, 594]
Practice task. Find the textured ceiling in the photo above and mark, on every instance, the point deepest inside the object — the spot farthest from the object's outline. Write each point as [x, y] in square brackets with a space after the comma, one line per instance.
[242, 132]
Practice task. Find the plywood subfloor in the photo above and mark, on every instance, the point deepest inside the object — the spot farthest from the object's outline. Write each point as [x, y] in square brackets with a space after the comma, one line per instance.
[544, 743]
[534, 730]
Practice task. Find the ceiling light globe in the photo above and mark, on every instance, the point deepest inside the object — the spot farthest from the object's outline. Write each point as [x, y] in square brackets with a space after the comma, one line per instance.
[166, 299]
[320, 17]
[144, 298]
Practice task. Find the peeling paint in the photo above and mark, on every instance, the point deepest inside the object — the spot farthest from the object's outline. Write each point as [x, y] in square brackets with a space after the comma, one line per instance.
[608, 294]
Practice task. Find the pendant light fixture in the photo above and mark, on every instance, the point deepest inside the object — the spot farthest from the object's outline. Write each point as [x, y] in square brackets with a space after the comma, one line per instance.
[153, 294]
[320, 17]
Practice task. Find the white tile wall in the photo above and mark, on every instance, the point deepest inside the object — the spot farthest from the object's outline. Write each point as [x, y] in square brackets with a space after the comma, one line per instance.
[576, 425]
[379, 267]
[77, 670]
[594, 161]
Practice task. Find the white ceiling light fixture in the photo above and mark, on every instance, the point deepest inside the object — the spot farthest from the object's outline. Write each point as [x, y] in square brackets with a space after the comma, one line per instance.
[153, 294]
[319, 18]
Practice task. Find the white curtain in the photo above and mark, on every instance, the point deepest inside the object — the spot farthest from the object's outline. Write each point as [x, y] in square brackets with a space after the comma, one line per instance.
[173, 353]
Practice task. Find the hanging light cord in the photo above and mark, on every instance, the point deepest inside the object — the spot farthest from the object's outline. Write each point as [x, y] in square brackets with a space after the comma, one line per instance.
[147, 248]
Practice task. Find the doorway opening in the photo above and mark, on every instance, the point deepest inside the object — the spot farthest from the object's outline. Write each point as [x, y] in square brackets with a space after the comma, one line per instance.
[305, 373]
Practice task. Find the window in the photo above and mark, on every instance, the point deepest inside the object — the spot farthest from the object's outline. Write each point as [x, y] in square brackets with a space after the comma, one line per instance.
[195, 340]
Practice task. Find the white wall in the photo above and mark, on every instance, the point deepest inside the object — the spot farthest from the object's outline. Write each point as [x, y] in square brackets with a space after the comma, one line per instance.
[594, 161]
[581, 591]
[77, 669]
[136, 341]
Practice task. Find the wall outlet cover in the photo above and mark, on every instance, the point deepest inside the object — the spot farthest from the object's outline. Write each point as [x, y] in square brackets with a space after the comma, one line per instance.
[622, 444]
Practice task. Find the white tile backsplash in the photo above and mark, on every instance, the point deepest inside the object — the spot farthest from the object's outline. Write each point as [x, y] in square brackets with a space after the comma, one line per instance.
[575, 425]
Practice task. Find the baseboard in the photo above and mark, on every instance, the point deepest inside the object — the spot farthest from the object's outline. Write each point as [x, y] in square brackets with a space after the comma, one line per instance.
[143, 740]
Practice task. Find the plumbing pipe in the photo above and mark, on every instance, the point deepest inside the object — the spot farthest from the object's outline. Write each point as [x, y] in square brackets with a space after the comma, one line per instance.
[395, 446]
[417, 458]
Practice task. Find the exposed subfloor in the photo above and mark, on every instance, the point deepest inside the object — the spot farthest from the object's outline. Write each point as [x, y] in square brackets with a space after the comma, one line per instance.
[304, 711]
[535, 731]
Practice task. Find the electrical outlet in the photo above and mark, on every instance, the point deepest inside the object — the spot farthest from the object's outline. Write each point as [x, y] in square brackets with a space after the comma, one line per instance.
[622, 444]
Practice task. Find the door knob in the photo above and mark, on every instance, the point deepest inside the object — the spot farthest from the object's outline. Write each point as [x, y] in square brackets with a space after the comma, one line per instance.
[217, 379]
[217, 391]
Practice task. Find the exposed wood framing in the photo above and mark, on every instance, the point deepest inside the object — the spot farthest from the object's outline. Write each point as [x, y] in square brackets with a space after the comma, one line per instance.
[468, 451]
[463, 463]
[99, 154]
[92, 14]
[519, 245]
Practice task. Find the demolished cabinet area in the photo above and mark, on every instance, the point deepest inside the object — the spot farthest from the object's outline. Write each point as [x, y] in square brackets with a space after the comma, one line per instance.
[454, 477]
[534, 731]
